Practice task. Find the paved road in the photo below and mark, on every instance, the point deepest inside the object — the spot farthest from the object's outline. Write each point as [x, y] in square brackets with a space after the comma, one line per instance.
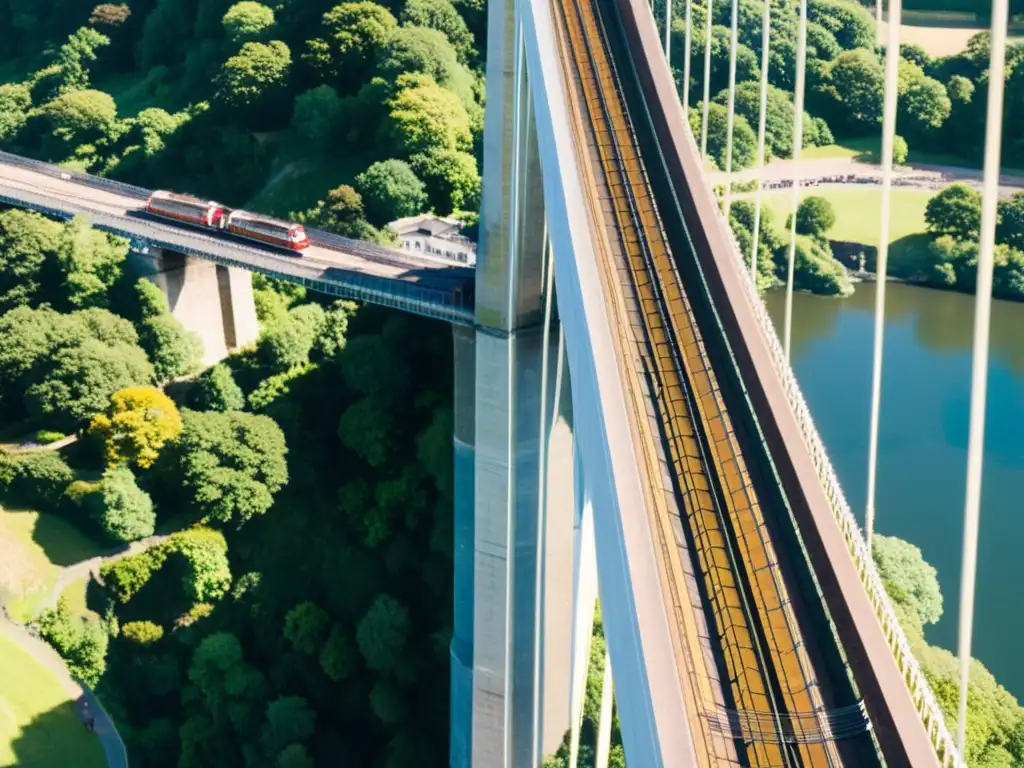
[106, 732]
[927, 175]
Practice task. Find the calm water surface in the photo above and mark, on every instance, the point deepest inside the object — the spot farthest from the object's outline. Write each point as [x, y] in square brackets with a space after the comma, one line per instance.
[923, 440]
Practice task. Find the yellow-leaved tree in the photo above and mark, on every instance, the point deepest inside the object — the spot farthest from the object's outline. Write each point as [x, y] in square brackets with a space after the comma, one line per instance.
[137, 424]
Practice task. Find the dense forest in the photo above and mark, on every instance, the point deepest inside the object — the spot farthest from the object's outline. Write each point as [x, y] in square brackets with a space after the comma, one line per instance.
[295, 609]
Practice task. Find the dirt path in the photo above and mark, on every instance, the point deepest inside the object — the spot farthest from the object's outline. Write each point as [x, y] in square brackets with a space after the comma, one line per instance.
[92, 566]
[84, 698]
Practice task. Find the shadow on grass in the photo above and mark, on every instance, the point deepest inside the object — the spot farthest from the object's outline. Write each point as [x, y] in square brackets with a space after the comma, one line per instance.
[57, 737]
[63, 543]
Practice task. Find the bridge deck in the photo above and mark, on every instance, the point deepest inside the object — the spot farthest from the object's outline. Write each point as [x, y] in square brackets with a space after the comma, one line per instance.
[333, 265]
[752, 688]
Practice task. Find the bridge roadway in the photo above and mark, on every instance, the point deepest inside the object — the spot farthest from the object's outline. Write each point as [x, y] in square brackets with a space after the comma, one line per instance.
[333, 265]
[755, 693]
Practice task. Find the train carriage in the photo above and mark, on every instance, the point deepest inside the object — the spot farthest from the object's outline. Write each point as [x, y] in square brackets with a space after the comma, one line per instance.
[274, 231]
[172, 205]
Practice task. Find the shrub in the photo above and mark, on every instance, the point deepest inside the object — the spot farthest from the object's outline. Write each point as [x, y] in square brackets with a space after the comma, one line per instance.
[47, 436]
[142, 632]
[36, 480]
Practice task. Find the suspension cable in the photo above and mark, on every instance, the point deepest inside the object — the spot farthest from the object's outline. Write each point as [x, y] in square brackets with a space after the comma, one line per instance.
[798, 140]
[762, 126]
[668, 32]
[686, 60]
[979, 367]
[731, 109]
[707, 82]
[892, 61]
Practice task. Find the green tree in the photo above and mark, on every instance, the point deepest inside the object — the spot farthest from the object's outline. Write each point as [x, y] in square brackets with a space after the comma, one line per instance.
[442, 16]
[306, 626]
[137, 424]
[35, 480]
[390, 190]
[955, 211]
[814, 268]
[1011, 221]
[423, 116]
[341, 214]
[27, 242]
[744, 147]
[382, 633]
[855, 80]
[81, 117]
[216, 390]
[15, 102]
[127, 513]
[333, 331]
[74, 56]
[289, 721]
[338, 659]
[174, 350]
[90, 262]
[82, 643]
[900, 150]
[247, 21]
[255, 77]
[316, 114]
[425, 51]
[287, 343]
[851, 24]
[778, 116]
[908, 579]
[142, 632]
[815, 216]
[79, 379]
[231, 464]
[351, 33]
[388, 702]
[451, 179]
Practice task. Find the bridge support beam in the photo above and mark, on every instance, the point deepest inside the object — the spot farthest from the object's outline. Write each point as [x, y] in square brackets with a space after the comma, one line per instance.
[515, 490]
[214, 301]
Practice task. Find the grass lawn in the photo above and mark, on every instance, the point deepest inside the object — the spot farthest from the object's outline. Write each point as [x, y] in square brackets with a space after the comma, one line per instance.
[39, 727]
[858, 221]
[870, 151]
[75, 594]
[35, 547]
[939, 33]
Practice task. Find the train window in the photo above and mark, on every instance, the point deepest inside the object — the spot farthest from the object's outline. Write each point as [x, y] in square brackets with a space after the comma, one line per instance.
[417, 245]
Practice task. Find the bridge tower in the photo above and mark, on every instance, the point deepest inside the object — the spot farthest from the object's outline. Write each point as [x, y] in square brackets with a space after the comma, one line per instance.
[515, 503]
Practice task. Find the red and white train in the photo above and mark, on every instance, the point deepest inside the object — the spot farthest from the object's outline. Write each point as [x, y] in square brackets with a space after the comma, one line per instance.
[211, 215]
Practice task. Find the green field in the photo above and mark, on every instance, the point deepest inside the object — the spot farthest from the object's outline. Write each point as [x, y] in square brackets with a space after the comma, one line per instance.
[39, 727]
[858, 221]
[35, 547]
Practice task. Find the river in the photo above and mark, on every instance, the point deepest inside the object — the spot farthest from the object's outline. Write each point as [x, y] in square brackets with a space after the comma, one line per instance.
[923, 440]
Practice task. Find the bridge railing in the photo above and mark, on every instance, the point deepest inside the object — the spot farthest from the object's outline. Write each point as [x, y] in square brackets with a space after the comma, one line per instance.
[85, 179]
[430, 302]
[924, 699]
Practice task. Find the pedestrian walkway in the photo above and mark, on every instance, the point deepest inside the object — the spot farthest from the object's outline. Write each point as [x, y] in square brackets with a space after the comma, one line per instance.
[103, 726]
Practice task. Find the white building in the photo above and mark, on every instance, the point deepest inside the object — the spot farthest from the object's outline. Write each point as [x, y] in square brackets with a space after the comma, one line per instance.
[429, 235]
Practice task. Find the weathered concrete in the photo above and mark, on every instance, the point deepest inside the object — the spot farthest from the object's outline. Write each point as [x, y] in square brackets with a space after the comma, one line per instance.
[214, 301]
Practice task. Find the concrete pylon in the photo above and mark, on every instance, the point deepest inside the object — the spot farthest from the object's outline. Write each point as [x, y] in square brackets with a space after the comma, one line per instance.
[214, 301]
[514, 467]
